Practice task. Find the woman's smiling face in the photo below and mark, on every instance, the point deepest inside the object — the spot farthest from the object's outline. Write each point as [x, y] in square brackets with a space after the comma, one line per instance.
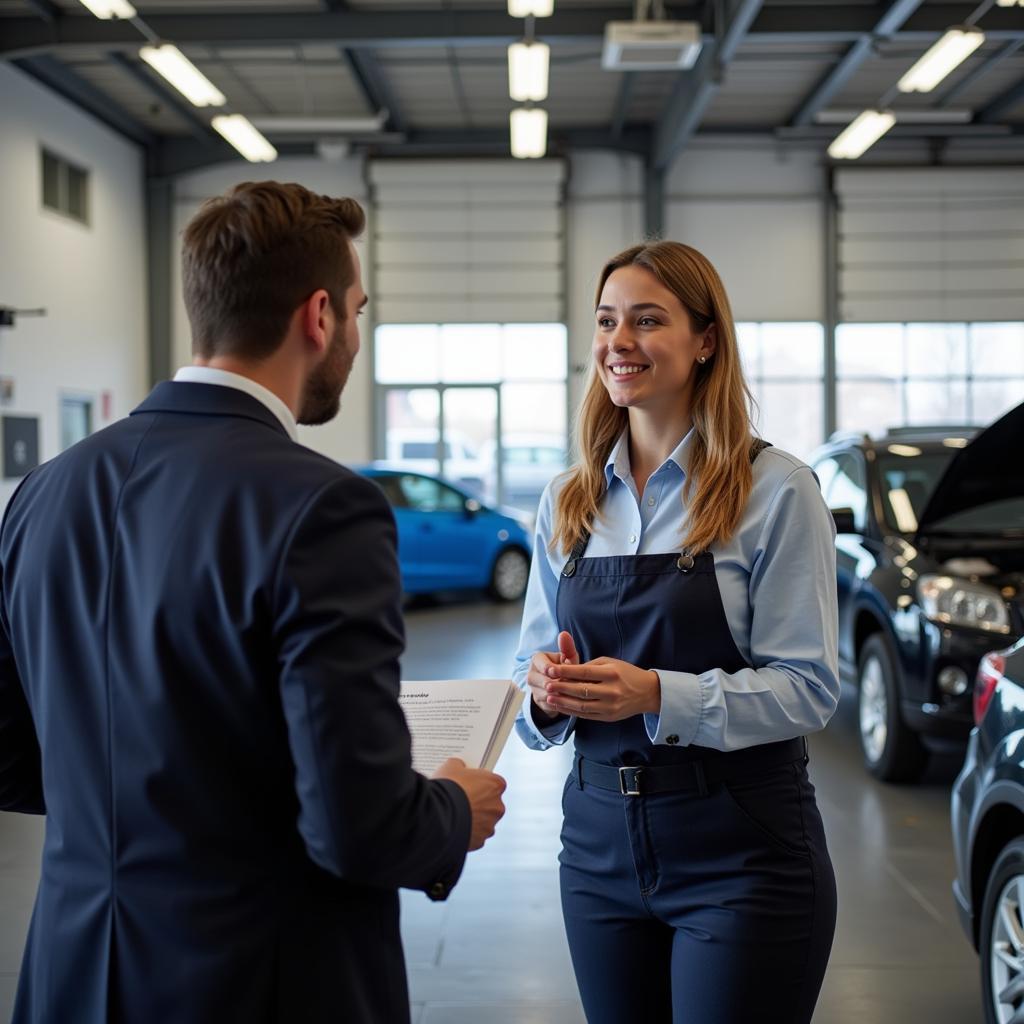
[645, 347]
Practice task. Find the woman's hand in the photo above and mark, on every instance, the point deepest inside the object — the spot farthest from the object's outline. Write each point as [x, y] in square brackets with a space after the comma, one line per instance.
[537, 678]
[604, 690]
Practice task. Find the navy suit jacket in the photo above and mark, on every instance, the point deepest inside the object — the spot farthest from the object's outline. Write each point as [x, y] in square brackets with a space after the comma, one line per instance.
[200, 630]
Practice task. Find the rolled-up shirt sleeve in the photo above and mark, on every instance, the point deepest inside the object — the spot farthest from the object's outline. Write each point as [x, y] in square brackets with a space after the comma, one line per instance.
[539, 631]
[792, 686]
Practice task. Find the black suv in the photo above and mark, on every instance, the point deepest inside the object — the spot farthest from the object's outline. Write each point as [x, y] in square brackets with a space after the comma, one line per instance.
[930, 564]
[988, 834]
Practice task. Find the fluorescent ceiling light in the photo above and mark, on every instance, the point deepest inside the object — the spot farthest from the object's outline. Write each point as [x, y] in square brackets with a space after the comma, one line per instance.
[528, 71]
[861, 134]
[107, 9]
[170, 62]
[1009, 3]
[238, 130]
[529, 127]
[528, 8]
[951, 50]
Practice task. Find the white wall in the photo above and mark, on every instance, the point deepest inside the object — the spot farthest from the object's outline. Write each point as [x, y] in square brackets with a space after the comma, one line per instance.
[91, 280]
[349, 437]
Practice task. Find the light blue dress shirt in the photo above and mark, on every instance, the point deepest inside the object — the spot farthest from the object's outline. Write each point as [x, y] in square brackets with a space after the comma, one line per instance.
[777, 577]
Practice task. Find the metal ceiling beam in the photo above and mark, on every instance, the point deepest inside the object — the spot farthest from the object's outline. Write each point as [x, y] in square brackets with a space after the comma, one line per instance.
[179, 155]
[837, 78]
[1001, 104]
[46, 9]
[199, 128]
[983, 69]
[696, 88]
[377, 93]
[622, 101]
[362, 29]
[62, 80]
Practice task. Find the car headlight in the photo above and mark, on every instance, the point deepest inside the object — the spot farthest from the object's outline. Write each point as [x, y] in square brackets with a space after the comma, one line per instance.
[956, 602]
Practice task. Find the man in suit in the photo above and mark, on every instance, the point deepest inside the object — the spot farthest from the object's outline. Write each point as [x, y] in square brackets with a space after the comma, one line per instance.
[199, 639]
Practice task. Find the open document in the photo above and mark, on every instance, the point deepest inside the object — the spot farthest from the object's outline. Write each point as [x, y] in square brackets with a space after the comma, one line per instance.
[467, 718]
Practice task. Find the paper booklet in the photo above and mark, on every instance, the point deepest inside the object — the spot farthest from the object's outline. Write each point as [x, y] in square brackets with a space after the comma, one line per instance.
[467, 718]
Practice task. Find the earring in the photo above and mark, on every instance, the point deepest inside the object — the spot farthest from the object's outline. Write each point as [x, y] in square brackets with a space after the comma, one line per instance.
[702, 359]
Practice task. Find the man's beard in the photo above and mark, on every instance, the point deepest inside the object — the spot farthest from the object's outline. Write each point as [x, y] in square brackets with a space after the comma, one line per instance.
[322, 396]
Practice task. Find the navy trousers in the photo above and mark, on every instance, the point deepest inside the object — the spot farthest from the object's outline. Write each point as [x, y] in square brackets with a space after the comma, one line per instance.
[689, 909]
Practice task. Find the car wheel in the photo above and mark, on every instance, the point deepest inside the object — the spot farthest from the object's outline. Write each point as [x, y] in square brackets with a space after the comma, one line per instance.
[892, 752]
[1001, 941]
[509, 575]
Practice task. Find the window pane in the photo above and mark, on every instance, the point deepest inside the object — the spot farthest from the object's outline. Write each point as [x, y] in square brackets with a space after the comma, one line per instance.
[868, 406]
[791, 416]
[997, 350]
[534, 352]
[75, 421]
[936, 350]
[748, 338]
[470, 426]
[411, 428]
[51, 181]
[936, 401]
[470, 352]
[869, 350]
[78, 197]
[792, 350]
[533, 418]
[990, 399]
[408, 353]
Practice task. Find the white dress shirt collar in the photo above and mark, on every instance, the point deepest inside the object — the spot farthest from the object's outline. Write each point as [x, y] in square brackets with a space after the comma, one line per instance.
[227, 379]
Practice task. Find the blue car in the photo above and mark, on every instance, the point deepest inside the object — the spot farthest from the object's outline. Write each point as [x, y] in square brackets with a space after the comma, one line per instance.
[988, 834]
[449, 540]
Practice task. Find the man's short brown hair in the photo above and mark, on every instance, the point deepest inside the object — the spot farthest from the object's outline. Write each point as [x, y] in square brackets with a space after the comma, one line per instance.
[251, 257]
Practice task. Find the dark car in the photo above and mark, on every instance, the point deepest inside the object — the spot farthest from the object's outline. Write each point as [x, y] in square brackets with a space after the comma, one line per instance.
[930, 564]
[988, 834]
[449, 540]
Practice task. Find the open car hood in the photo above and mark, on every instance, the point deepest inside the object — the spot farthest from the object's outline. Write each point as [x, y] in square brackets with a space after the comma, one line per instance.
[990, 468]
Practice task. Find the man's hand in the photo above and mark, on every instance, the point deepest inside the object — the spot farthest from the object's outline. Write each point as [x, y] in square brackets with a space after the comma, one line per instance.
[484, 790]
[537, 678]
[604, 690]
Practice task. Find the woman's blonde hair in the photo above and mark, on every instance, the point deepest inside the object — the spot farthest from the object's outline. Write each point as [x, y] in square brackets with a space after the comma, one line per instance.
[720, 475]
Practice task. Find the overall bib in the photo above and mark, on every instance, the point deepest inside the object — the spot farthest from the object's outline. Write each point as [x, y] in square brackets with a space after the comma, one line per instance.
[696, 884]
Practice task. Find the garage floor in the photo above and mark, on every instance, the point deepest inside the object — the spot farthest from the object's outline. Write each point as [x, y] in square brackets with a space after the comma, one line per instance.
[495, 950]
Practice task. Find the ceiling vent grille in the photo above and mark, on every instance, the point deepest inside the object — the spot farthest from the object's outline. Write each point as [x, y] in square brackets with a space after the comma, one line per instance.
[650, 45]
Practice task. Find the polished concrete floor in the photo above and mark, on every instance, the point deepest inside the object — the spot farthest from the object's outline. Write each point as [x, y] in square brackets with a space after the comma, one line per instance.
[494, 953]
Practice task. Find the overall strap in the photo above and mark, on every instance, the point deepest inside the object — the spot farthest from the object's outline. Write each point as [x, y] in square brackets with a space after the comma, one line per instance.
[757, 446]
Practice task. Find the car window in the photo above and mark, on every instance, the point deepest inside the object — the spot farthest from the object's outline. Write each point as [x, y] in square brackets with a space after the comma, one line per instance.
[825, 471]
[392, 489]
[907, 484]
[848, 488]
[419, 450]
[428, 495]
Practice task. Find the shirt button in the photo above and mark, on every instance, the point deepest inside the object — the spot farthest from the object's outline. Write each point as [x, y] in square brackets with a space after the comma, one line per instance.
[632, 538]
[672, 740]
[438, 891]
[650, 501]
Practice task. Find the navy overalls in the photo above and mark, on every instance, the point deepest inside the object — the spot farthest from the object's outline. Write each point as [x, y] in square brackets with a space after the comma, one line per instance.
[696, 884]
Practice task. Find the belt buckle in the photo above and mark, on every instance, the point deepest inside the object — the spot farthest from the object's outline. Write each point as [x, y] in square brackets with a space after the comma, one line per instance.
[624, 787]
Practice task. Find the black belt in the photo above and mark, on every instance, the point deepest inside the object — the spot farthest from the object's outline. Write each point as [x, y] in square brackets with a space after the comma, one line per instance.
[695, 775]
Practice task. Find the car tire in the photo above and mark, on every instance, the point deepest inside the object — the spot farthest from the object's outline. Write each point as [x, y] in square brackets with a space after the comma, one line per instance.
[1002, 953]
[509, 575]
[892, 752]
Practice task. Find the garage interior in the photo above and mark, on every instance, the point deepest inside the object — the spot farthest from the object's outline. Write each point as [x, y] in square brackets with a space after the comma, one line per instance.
[872, 292]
